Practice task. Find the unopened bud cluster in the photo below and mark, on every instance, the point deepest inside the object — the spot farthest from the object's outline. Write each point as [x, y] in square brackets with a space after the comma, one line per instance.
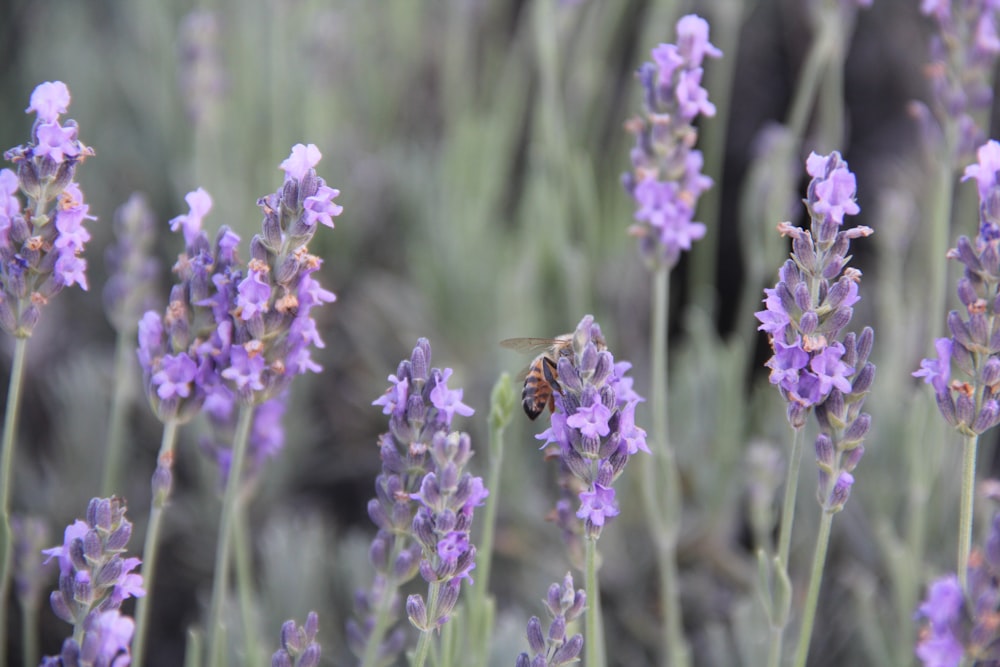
[555, 647]
[299, 647]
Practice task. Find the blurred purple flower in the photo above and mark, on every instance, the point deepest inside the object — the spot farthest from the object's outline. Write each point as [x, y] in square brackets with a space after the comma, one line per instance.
[666, 178]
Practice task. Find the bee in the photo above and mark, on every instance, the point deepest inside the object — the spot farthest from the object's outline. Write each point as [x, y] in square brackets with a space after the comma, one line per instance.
[541, 379]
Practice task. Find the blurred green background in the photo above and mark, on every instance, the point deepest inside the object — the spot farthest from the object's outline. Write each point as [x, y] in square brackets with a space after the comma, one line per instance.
[478, 146]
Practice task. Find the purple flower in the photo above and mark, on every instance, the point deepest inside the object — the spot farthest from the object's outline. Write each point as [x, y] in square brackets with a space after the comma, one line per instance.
[593, 424]
[937, 372]
[786, 363]
[597, 505]
[175, 376]
[831, 371]
[834, 187]
[199, 203]
[666, 178]
[394, 399]
[321, 208]
[453, 545]
[56, 143]
[449, 401]
[49, 100]
[245, 369]
[302, 159]
[41, 237]
[943, 609]
[254, 294]
[591, 421]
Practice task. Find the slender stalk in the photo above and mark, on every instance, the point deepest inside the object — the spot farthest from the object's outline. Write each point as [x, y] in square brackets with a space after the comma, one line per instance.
[244, 584]
[14, 386]
[149, 550]
[229, 502]
[478, 612]
[660, 483]
[382, 616]
[812, 596]
[593, 641]
[812, 73]
[791, 490]
[966, 514]
[120, 399]
[29, 634]
[424, 643]
[777, 633]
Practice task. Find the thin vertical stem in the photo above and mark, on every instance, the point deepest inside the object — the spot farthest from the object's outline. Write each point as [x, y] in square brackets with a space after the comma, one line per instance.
[149, 550]
[424, 642]
[229, 501]
[968, 497]
[29, 633]
[659, 481]
[14, 387]
[815, 580]
[777, 633]
[593, 641]
[791, 490]
[120, 399]
[244, 584]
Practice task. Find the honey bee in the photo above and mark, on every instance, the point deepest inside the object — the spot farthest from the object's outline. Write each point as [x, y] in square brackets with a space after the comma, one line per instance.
[541, 379]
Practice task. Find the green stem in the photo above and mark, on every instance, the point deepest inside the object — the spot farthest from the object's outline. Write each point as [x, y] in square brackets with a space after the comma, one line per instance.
[382, 616]
[478, 611]
[424, 643]
[593, 642]
[815, 579]
[29, 634]
[812, 74]
[968, 498]
[791, 490]
[777, 633]
[660, 482]
[149, 550]
[244, 584]
[229, 502]
[14, 387]
[120, 399]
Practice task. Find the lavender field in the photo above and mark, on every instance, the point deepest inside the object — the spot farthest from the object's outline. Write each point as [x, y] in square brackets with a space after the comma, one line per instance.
[485, 332]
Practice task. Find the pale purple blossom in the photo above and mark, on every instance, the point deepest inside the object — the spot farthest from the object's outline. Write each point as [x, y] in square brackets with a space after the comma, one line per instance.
[49, 100]
[598, 505]
[302, 159]
[200, 203]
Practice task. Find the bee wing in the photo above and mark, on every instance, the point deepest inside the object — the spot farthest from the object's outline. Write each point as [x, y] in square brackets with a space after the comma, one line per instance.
[529, 344]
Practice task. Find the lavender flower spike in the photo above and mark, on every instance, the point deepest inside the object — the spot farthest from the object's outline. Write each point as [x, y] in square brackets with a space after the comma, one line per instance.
[960, 623]
[666, 178]
[42, 238]
[420, 408]
[593, 426]
[814, 298]
[965, 374]
[299, 647]
[94, 580]
[555, 648]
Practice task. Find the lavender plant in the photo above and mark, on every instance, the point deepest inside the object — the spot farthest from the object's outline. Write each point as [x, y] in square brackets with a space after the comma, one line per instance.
[42, 234]
[666, 181]
[958, 621]
[230, 337]
[421, 409]
[817, 368]
[594, 433]
[555, 648]
[968, 400]
[94, 580]
[446, 501]
[299, 647]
